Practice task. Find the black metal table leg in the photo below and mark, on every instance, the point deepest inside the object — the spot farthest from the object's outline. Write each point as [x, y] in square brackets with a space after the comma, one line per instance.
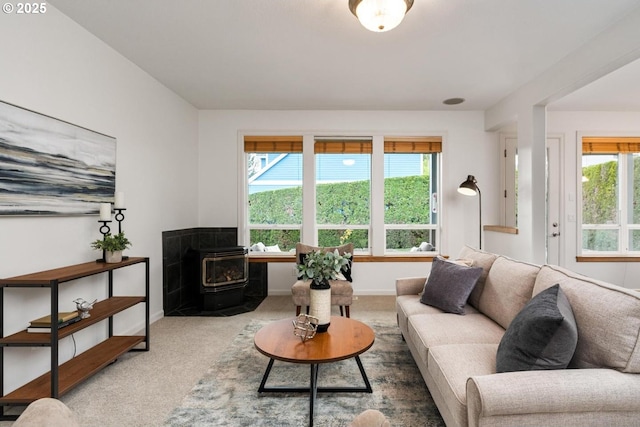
[313, 386]
[265, 376]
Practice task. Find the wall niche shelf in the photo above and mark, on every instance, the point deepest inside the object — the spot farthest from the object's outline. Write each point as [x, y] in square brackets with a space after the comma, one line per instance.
[62, 378]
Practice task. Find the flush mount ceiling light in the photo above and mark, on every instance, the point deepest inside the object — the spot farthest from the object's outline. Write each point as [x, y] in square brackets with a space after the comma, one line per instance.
[380, 15]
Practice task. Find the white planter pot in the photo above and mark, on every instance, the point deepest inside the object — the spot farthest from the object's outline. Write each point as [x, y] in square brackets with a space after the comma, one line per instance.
[320, 307]
[112, 257]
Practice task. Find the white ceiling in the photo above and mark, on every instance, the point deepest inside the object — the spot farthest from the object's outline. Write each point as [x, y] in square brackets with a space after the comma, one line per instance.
[313, 54]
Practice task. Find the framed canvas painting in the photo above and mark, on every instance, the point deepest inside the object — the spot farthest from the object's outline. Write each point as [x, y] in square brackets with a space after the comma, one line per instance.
[51, 167]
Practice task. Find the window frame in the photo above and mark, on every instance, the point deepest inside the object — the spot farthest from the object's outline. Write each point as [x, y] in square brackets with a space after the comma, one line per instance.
[309, 231]
[621, 146]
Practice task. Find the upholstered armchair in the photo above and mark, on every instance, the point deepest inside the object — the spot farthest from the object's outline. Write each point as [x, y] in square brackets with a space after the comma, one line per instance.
[341, 290]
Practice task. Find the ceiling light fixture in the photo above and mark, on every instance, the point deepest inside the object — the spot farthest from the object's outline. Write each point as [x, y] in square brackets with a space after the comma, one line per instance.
[380, 15]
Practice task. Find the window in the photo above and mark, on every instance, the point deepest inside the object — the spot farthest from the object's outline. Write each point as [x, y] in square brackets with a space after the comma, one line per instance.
[410, 194]
[274, 189]
[610, 194]
[379, 193]
[343, 192]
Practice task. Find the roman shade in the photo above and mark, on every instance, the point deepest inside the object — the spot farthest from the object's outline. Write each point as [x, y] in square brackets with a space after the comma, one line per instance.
[422, 144]
[273, 144]
[610, 145]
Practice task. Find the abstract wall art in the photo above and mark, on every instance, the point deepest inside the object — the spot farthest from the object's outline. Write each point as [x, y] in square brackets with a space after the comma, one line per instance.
[51, 167]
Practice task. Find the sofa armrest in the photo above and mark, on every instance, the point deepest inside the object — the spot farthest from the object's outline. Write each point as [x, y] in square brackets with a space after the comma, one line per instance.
[410, 285]
[575, 394]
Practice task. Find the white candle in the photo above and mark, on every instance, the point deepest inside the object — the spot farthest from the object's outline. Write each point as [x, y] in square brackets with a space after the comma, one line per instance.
[119, 200]
[105, 211]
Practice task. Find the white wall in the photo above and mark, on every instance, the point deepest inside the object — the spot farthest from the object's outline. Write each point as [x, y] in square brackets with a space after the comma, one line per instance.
[570, 124]
[53, 66]
[467, 149]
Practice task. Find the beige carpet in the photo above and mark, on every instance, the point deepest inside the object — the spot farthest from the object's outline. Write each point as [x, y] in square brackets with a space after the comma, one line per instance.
[142, 388]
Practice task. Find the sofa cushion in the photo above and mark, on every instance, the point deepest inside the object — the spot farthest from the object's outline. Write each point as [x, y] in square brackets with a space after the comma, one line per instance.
[607, 317]
[451, 365]
[449, 285]
[508, 288]
[542, 336]
[409, 305]
[480, 259]
[428, 331]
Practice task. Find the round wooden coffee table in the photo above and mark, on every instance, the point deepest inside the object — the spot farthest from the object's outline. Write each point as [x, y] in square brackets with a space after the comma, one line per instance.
[346, 338]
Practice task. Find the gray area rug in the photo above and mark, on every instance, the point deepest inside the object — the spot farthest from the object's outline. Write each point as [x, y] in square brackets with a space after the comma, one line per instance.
[228, 395]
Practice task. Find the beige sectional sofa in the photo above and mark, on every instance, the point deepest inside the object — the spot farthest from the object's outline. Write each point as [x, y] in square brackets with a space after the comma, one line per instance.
[456, 354]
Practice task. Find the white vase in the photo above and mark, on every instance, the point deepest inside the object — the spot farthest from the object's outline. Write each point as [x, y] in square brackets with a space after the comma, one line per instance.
[112, 257]
[320, 304]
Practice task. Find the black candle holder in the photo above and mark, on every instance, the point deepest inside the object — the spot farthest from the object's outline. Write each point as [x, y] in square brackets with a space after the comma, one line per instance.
[119, 217]
[104, 230]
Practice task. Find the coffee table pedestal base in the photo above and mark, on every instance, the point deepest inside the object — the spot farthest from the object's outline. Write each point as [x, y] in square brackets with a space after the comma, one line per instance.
[313, 388]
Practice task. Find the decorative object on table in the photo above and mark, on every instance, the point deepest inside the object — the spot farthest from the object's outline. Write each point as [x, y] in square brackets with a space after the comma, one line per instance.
[304, 326]
[118, 206]
[105, 219]
[470, 188]
[84, 307]
[320, 267]
[51, 167]
[43, 324]
[112, 246]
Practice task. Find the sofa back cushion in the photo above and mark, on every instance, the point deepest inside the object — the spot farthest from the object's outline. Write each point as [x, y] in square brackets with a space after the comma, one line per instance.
[480, 259]
[607, 317]
[509, 286]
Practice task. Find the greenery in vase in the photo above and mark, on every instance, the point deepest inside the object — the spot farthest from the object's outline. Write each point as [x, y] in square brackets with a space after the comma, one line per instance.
[321, 266]
[112, 243]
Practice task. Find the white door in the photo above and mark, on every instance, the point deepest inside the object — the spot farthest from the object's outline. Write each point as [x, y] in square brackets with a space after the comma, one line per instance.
[554, 194]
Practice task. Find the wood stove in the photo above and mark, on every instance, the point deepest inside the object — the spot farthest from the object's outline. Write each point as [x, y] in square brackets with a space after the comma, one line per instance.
[223, 275]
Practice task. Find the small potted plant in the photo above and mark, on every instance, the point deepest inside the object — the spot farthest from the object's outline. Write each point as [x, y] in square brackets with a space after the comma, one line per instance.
[112, 246]
[320, 267]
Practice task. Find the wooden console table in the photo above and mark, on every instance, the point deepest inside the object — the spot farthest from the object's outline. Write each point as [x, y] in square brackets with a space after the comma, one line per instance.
[62, 378]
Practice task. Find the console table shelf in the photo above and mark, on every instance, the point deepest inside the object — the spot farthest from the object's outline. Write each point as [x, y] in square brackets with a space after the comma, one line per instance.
[75, 370]
[62, 378]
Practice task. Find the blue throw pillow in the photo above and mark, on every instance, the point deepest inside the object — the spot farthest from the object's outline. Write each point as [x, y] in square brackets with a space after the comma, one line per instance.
[449, 285]
[543, 335]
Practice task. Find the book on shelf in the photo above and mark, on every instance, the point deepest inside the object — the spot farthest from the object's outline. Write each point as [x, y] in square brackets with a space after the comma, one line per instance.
[47, 329]
[45, 321]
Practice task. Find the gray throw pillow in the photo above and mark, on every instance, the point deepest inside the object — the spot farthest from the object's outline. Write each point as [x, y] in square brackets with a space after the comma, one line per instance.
[449, 285]
[543, 335]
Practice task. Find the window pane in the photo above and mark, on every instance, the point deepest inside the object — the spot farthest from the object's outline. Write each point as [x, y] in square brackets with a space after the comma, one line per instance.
[410, 240]
[343, 188]
[634, 240]
[599, 189]
[410, 198]
[275, 198]
[359, 238]
[285, 240]
[407, 193]
[600, 240]
[634, 186]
